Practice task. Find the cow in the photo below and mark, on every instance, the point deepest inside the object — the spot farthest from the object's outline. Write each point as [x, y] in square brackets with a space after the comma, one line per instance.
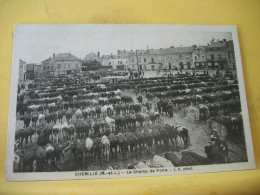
[132, 141]
[34, 119]
[173, 135]
[68, 114]
[123, 145]
[142, 118]
[183, 133]
[113, 139]
[157, 138]
[106, 147]
[78, 149]
[26, 119]
[111, 123]
[97, 150]
[140, 140]
[148, 140]
[61, 113]
[78, 114]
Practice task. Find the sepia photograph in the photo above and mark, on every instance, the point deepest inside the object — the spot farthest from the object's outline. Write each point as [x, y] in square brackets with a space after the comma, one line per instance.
[108, 101]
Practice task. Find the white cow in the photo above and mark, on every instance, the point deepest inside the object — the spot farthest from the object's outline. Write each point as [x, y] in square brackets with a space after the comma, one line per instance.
[106, 147]
[78, 114]
[111, 123]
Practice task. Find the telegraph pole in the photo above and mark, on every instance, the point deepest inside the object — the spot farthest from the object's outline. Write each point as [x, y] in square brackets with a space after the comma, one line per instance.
[138, 68]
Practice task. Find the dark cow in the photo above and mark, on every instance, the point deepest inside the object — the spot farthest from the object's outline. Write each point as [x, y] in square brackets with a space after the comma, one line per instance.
[123, 145]
[26, 119]
[113, 145]
[132, 141]
[97, 150]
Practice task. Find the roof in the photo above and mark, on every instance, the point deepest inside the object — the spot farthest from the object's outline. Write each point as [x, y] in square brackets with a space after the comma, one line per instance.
[171, 50]
[65, 57]
[90, 56]
[218, 44]
[21, 61]
[114, 57]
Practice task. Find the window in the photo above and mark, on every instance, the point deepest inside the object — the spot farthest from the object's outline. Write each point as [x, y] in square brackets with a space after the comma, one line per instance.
[118, 62]
[212, 56]
[144, 60]
[188, 56]
[77, 66]
[109, 63]
[139, 59]
[202, 57]
[169, 57]
[180, 56]
[133, 60]
[69, 66]
[52, 67]
[196, 58]
[219, 56]
[58, 66]
[152, 60]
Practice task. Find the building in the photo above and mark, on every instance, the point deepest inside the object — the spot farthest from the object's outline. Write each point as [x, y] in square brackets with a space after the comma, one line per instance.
[48, 67]
[22, 71]
[158, 59]
[230, 53]
[30, 71]
[220, 55]
[61, 64]
[37, 70]
[115, 62]
[92, 56]
[199, 56]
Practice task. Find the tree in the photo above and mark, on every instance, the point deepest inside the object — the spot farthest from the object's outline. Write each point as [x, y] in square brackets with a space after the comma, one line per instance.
[91, 65]
[212, 40]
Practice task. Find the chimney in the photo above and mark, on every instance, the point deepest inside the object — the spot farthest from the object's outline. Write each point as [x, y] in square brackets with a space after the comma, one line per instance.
[124, 51]
[147, 48]
[53, 55]
[98, 54]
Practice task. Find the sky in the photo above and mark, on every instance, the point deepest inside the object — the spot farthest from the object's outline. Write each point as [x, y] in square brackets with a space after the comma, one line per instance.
[36, 43]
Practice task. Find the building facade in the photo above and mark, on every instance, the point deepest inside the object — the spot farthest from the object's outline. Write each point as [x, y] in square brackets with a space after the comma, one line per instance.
[115, 62]
[48, 67]
[220, 55]
[61, 64]
[30, 71]
[37, 70]
[162, 59]
[199, 57]
[22, 71]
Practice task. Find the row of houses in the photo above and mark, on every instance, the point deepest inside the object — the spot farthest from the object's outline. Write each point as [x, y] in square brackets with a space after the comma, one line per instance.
[60, 64]
[217, 55]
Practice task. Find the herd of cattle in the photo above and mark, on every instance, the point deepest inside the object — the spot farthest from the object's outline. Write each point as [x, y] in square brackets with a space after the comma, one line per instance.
[92, 121]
